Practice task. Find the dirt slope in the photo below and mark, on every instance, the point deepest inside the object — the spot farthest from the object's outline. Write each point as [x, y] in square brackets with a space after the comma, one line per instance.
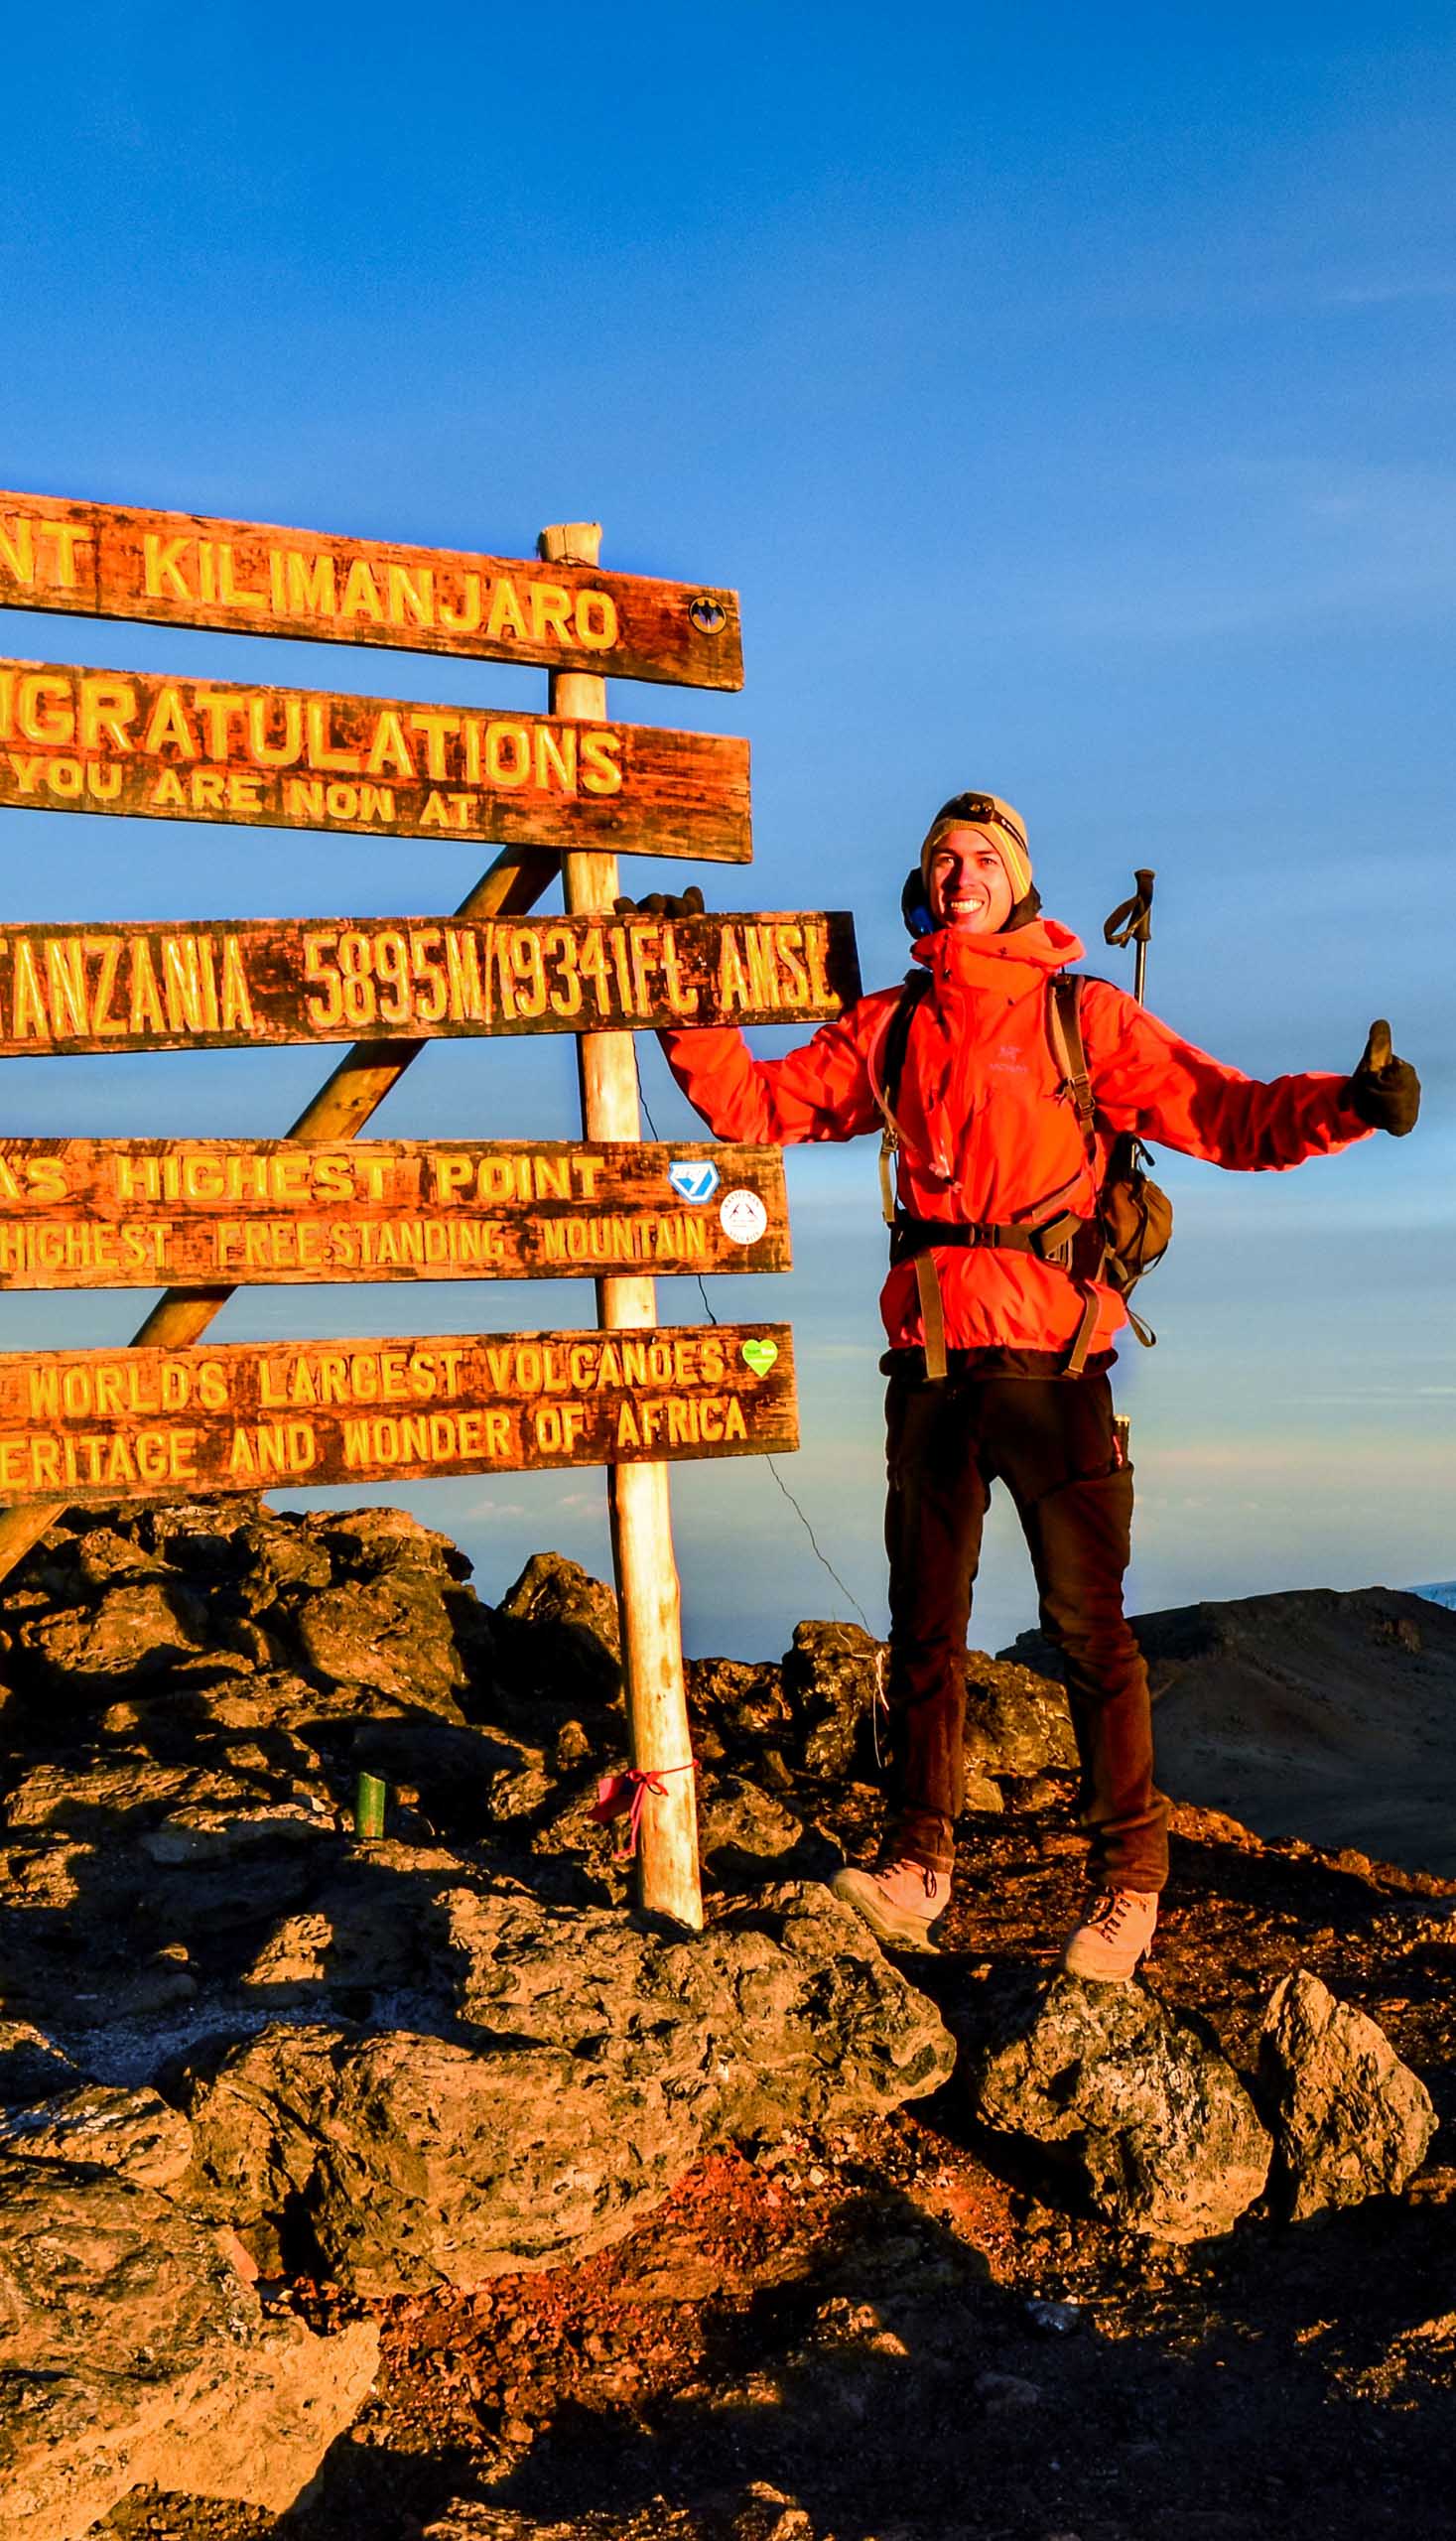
[1311, 1713]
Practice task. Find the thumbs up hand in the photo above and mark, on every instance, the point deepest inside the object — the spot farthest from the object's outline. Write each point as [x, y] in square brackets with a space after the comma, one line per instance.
[1384, 1091]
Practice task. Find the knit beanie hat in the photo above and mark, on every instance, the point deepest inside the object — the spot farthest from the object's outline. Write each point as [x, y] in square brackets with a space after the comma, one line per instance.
[1001, 824]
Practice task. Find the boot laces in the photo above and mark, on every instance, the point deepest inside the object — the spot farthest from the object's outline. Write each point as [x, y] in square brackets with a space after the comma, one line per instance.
[1110, 1911]
[929, 1879]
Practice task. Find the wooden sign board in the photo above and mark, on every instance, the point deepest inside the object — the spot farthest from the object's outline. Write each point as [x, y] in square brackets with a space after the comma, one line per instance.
[172, 569]
[263, 757]
[144, 1213]
[239, 984]
[86, 1426]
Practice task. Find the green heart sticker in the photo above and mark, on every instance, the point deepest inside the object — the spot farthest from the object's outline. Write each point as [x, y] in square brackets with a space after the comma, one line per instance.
[760, 1356]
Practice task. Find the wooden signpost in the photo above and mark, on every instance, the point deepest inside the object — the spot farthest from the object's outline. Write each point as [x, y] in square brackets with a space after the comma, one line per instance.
[173, 569]
[160, 1424]
[238, 984]
[127, 1213]
[561, 792]
[191, 750]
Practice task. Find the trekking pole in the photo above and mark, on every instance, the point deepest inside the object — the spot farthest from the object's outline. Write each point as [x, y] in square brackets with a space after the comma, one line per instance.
[1132, 923]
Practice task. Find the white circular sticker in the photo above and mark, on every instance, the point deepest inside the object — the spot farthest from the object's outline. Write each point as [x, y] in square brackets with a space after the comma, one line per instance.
[743, 1217]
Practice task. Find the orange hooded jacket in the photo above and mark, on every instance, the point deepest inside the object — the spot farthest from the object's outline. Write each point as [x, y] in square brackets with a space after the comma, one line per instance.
[986, 1134]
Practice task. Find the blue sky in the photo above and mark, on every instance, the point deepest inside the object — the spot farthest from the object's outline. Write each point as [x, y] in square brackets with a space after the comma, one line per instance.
[1068, 396]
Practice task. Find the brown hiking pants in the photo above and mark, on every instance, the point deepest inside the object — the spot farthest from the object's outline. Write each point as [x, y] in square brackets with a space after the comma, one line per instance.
[1050, 1440]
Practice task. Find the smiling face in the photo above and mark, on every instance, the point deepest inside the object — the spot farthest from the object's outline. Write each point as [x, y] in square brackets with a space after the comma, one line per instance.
[970, 887]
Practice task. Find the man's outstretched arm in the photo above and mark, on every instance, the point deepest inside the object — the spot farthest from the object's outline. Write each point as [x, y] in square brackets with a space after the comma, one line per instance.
[1150, 1081]
[821, 1090]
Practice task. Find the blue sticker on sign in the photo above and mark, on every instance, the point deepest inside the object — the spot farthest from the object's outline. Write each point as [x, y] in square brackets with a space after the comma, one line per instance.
[694, 1182]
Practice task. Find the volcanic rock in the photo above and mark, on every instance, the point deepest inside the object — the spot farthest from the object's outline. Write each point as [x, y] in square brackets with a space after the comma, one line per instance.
[1017, 1724]
[738, 1710]
[1350, 2120]
[128, 2344]
[1134, 2098]
[584, 2065]
[133, 2133]
[833, 1675]
[572, 1646]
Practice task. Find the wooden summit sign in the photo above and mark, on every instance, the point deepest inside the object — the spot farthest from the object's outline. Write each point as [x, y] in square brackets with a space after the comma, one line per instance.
[108, 560]
[122, 1213]
[264, 757]
[164, 1424]
[240, 983]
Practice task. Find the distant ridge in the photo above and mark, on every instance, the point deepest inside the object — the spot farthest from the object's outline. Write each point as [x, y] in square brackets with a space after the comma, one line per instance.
[1317, 1713]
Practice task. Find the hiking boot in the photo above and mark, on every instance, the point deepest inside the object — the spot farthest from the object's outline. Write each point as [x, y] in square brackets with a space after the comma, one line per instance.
[899, 1900]
[1112, 1936]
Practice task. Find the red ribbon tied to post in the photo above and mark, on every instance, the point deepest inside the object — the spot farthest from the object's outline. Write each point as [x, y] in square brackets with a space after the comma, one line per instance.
[624, 1795]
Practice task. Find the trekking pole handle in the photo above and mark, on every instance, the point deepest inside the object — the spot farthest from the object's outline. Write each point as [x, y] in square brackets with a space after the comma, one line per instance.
[1132, 923]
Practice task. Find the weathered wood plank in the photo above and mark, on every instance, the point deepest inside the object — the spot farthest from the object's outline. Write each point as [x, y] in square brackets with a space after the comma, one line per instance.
[133, 1213]
[176, 568]
[146, 747]
[88, 1425]
[239, 984]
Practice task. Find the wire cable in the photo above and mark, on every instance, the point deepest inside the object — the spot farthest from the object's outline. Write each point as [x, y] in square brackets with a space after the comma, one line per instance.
[819, 1554]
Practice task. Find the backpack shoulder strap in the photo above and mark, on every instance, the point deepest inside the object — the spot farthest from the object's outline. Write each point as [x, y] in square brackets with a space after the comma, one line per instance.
[896, 1042]
[892, 1050]
[1064, 1034]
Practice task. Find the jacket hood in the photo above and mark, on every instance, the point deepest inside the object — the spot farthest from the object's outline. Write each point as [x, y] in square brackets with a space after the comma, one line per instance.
[992, 960]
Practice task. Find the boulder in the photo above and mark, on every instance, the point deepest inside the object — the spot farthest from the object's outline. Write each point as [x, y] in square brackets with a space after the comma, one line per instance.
[738, 1710]
[745, 1836]
[128, 2346]
[1135, 2099]
[134, 2133]
[1350, 2120]
[579, 2067]
[1017, 1723]
[831, 1676]
[135, 1630]
[560, 1636]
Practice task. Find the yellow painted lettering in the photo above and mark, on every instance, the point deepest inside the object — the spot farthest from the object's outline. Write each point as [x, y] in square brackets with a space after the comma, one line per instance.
[107, 708]
[550, 603]
[321, 753]
[270, 754]
[237, 1005]
[601, 771]
[389, 752]
[18, 550]
[505, 611]
[464, 621]
[31, 1022]
[232, 592]
[162, 574]
[166, 725]
[146, 1014]
[308, 586]
[411, 597]
[44, 710]
[361, 592]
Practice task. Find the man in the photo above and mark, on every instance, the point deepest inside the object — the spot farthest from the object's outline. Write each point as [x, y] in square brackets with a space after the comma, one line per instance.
[990, 1147]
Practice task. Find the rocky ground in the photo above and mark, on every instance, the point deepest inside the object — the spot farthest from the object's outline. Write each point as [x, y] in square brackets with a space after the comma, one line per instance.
[426, 2164]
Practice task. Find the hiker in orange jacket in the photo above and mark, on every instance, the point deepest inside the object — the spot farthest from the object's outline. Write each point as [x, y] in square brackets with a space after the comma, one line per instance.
[990, 1147]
